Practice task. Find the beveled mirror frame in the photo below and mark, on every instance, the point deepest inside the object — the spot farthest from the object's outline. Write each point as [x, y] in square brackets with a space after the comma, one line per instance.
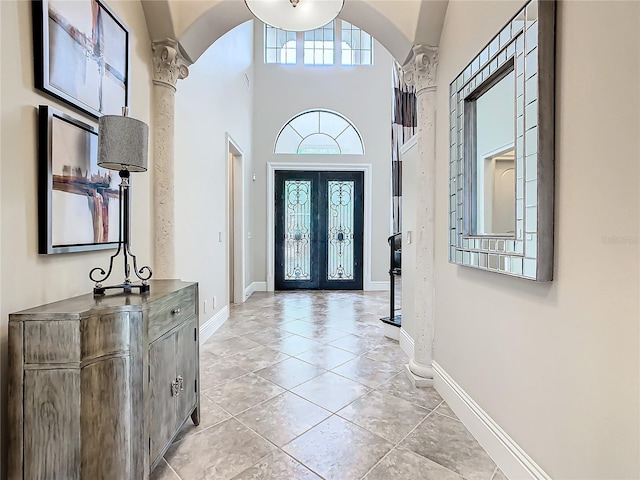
[528, 40]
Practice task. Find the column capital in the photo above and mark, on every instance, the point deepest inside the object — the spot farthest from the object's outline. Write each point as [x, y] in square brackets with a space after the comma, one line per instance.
[420, 69]
[169, 63]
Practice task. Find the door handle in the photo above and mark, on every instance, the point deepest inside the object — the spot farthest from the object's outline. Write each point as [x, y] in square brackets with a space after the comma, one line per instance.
[175, 388]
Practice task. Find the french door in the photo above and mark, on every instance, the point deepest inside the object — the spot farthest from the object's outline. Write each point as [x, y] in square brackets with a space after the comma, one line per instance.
[319, 230]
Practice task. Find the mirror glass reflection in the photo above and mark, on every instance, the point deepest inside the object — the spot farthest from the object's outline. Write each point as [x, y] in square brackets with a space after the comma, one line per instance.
[494, 178]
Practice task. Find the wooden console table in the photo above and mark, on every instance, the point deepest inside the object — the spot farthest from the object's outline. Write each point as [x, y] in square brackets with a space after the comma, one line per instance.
[100, 386]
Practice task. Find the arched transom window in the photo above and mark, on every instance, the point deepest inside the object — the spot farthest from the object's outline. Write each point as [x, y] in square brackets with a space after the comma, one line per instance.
[319, 132]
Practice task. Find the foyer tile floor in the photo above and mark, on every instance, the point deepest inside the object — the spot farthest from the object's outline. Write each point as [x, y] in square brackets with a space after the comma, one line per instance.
[304, 385]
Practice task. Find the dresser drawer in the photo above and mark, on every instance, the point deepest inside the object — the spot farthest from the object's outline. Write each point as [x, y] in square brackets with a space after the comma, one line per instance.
[165, 314]
[51, 342]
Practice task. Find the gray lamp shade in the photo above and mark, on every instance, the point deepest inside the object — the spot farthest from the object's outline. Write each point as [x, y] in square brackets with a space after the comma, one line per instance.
[123, 143]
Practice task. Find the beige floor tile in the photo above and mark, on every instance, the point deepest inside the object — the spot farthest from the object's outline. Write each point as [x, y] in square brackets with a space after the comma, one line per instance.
[362, 329]
[163, 472]
[217, 373]
[207, 358]
[339, 330]
[243, 392]
[210, 414]
[278, 466]
[498, 475]
[403, 464]
[447, 442]
[228, 346]
[268, 335]
[222, 333]
[330, 391]
[388, 353]
[242, 326]
[220, 452]
[290, 373]
[389, 417]
[325, 356]
[324, 334]
[293, 345]
[283, 418]
[354, 344]
[337, 449]
[275, 320]
[298, 327]
[366, 371]
[257, 358]
[444, 409]
[400, 386]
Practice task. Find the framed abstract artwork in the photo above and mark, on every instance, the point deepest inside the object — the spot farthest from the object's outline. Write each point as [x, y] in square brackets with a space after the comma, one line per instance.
[78, 201]
[81, 55]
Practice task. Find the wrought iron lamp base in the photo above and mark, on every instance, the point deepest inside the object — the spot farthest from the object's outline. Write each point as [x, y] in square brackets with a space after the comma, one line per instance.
[144, 273]
[127, 287]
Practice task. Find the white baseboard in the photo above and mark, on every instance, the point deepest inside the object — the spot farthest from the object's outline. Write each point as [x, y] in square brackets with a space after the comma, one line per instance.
[255, 287]
[406, 342]
[508, 455]
[372, 286]
[391, 331]
[209, 327]
[259, 286]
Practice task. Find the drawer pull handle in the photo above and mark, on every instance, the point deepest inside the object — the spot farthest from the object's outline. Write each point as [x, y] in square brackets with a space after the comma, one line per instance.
[175, 388]
[175, 311]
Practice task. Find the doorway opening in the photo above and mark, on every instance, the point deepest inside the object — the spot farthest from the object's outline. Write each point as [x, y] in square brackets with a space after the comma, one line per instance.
[235, 223]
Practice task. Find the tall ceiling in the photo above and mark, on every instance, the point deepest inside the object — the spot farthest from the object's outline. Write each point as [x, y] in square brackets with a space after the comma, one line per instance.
[396, 24]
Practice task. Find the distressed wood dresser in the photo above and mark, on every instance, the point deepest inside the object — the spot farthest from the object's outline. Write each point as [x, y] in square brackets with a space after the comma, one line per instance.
[100, 386]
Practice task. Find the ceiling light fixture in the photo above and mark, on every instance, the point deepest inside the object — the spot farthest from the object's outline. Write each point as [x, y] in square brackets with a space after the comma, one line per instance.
[295, 15]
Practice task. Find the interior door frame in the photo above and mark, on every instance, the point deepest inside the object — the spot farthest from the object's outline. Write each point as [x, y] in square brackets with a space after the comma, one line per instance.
[366, 168]
[235, 179]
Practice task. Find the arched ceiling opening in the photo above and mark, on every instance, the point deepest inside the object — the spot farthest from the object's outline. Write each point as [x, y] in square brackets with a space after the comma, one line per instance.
[197, 24]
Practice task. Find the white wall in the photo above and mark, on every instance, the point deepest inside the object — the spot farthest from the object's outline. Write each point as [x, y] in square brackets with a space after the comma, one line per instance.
[410, 163]
[212, 101]
[362, 94]
[29, 279]
[557, 364]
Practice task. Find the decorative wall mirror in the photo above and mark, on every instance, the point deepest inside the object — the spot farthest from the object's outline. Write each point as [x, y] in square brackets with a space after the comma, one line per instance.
[502, 149]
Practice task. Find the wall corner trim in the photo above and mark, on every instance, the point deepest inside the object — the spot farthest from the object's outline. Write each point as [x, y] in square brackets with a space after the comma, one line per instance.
[508, 455]
[255, 287]
[376, 286]
[209, 327]
[406, 343]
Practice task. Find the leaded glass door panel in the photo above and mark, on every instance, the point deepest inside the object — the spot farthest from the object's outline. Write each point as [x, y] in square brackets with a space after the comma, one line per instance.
[319, 230]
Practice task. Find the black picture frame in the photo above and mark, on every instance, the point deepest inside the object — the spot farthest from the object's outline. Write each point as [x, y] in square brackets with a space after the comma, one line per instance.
[78, 202]
[81, 55]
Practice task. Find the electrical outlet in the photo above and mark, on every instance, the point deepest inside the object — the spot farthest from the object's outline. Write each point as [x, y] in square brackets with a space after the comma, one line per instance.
[215, 303]
[206, 304]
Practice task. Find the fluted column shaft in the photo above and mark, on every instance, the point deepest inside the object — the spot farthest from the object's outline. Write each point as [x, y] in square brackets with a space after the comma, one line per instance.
[168, 67]
[421, 72]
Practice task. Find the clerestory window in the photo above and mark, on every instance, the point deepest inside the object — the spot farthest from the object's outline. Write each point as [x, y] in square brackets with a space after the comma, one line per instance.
[338, 42]
[319, 132]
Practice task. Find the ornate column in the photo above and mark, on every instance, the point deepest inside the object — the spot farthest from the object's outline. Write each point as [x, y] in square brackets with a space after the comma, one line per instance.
[169, 66]
[420, 71]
